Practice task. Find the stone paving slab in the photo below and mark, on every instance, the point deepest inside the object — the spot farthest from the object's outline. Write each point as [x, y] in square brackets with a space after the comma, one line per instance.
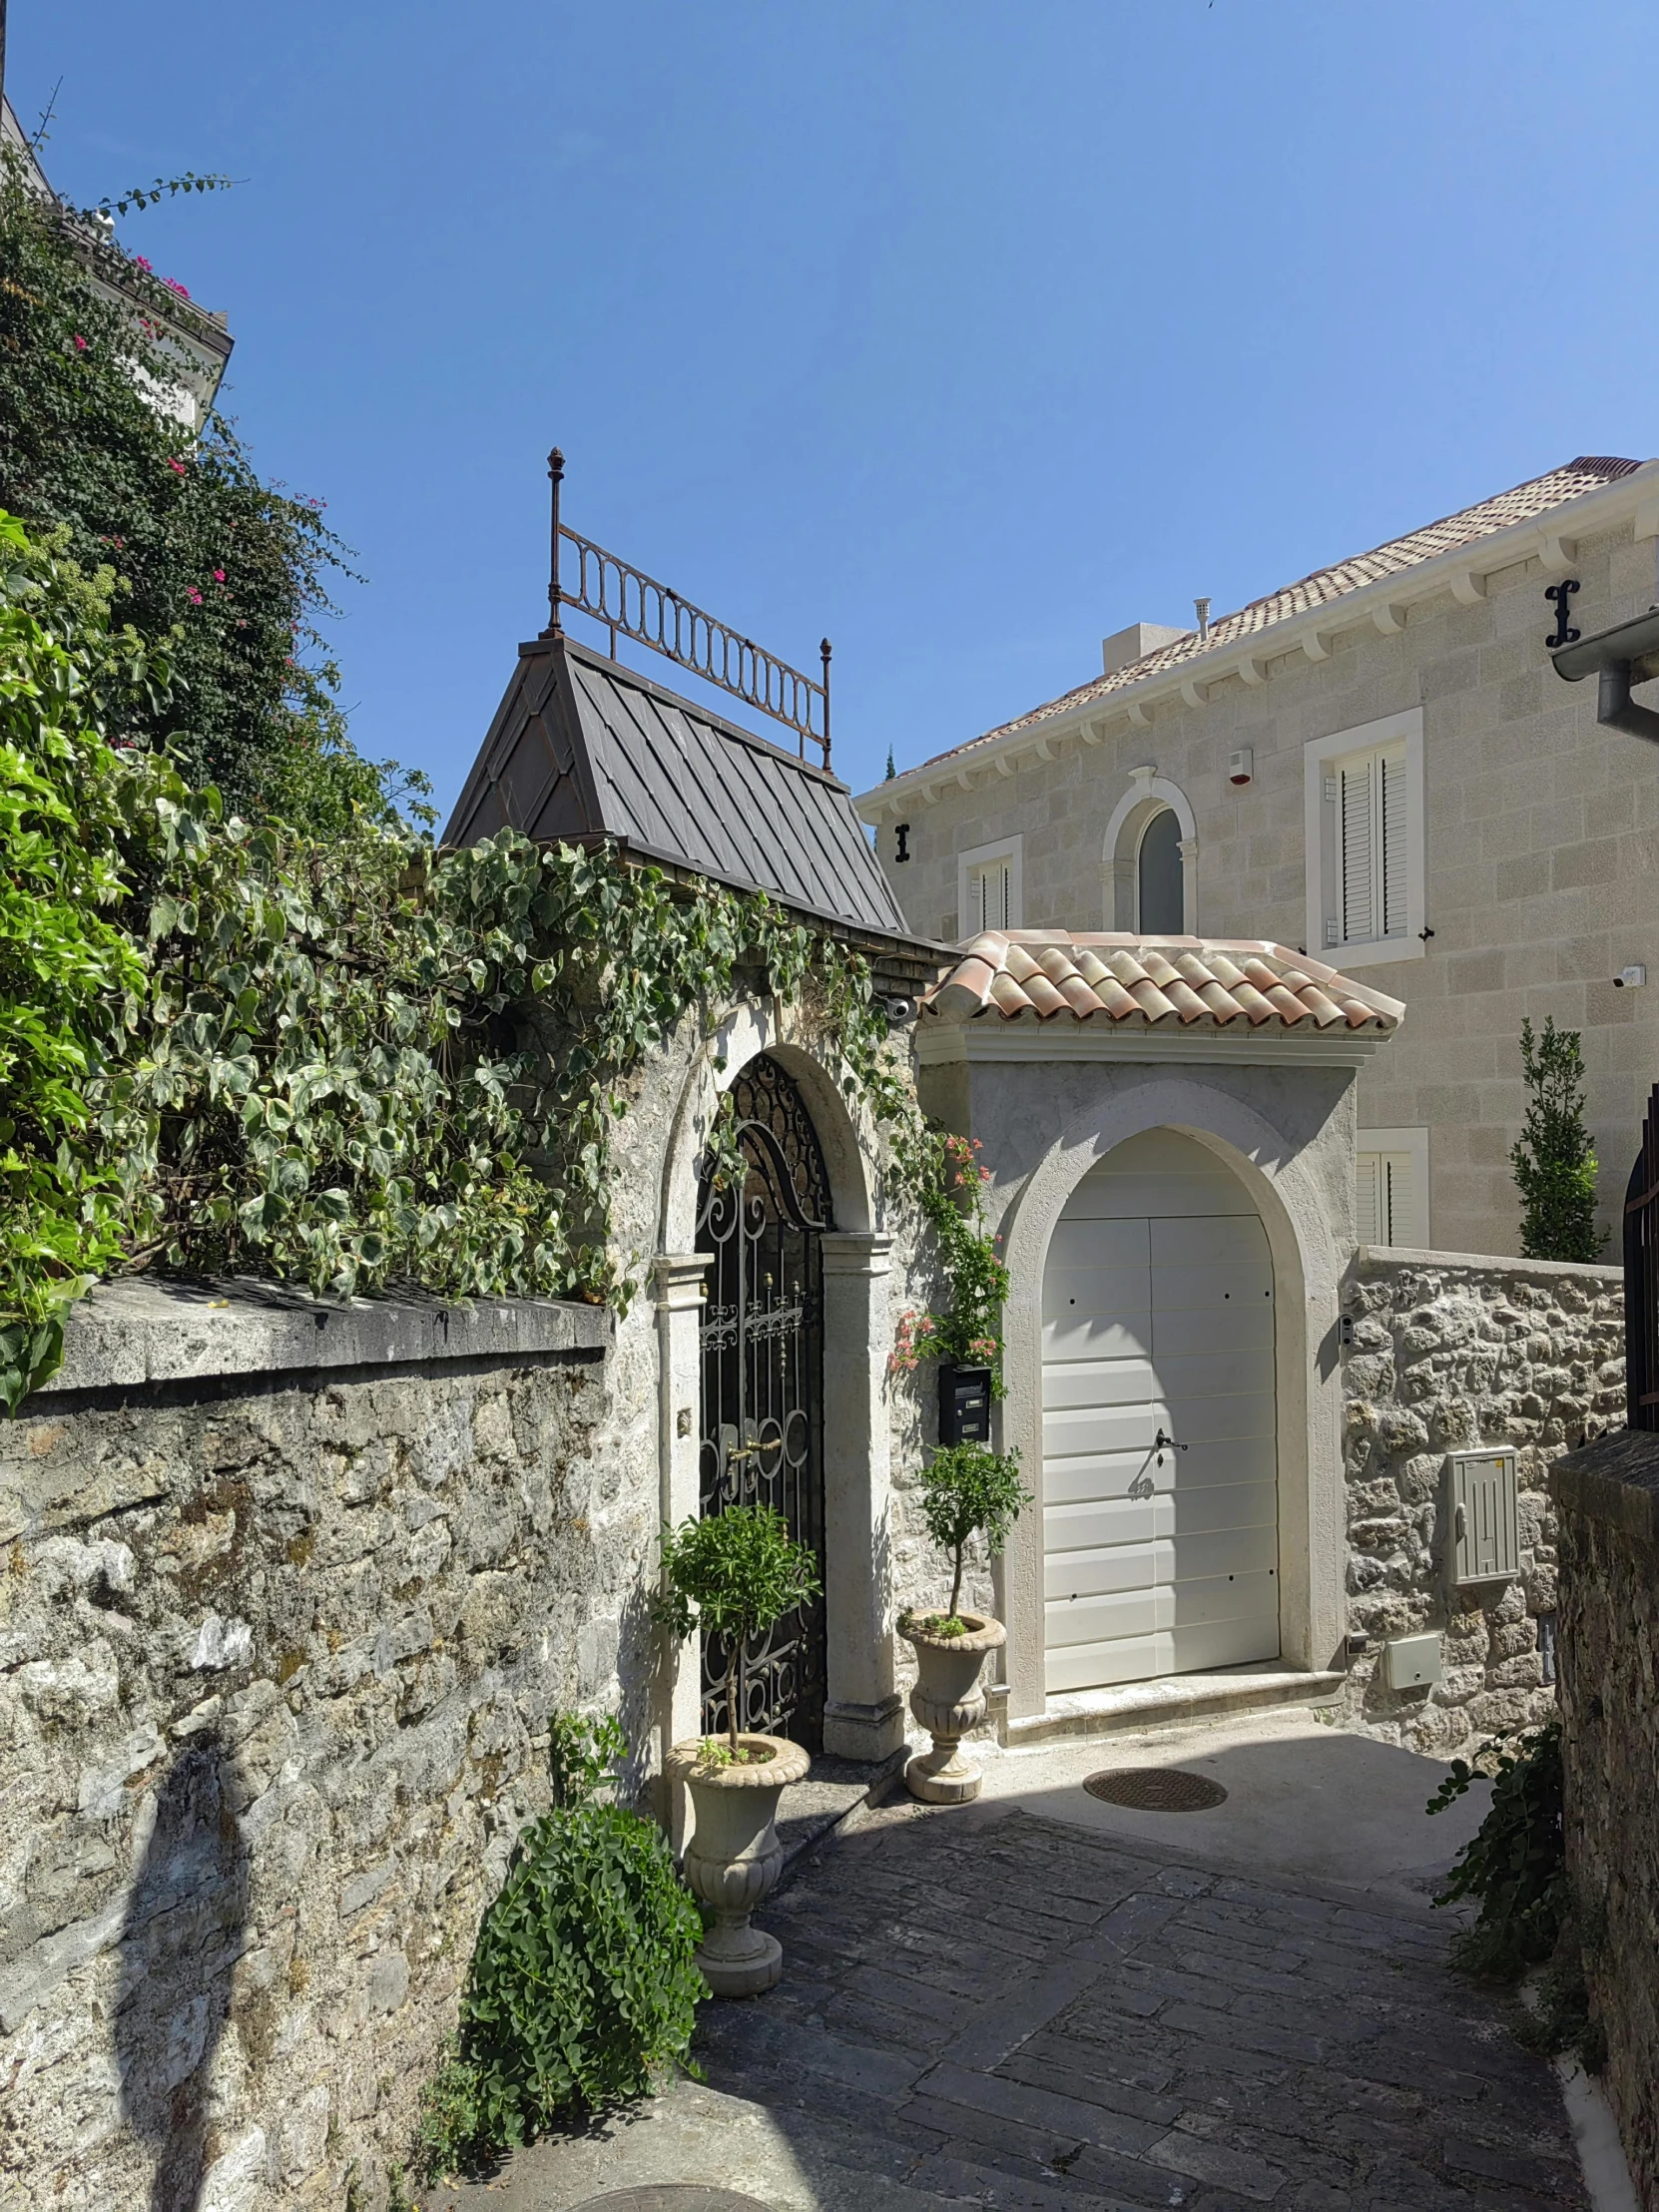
[989, 2009]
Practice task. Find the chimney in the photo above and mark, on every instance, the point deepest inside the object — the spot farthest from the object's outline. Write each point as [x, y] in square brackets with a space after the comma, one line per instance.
[1125, 647]
[1201, 608]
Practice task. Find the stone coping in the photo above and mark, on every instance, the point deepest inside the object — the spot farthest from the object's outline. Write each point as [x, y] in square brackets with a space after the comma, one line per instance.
[132, 1333]
[1367, 1258]
[1615, 1480]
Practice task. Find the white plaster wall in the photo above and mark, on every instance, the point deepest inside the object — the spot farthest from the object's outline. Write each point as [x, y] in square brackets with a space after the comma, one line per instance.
[1288, 1133]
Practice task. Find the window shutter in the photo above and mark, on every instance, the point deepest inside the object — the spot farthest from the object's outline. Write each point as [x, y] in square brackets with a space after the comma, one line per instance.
[1366, 1217]
[989, 895]
[1385, 1207]
[1355, 831]
[1393, 782]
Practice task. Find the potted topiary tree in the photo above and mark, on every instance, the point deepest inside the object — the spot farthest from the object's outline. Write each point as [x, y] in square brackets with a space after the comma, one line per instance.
[966, 1493]
[731, 1575]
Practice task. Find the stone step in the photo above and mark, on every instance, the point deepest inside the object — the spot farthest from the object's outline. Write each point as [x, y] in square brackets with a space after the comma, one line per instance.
[1169, 1702]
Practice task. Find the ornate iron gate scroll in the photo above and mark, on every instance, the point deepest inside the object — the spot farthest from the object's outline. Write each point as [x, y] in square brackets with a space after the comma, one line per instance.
[763, 1381]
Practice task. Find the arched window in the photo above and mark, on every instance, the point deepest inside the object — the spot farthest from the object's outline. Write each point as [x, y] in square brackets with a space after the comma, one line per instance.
[1160, 903]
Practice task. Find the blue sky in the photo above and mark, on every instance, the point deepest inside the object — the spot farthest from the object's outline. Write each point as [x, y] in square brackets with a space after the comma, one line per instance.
[965, 332]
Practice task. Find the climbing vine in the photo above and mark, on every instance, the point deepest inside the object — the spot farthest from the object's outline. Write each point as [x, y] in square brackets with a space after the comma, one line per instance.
[348, 1062]
[948, 1183]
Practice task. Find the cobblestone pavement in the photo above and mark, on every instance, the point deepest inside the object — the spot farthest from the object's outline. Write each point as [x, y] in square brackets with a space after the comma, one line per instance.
[989, 2009]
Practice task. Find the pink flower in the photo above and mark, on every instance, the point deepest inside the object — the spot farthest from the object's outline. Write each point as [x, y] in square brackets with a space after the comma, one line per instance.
[173, 285]
[80, 343]
[193, 595]
[139, 262]
[178, 467]
[219, 575]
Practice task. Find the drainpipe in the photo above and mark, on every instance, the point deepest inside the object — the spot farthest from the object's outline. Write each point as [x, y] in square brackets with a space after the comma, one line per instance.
[1625, 654]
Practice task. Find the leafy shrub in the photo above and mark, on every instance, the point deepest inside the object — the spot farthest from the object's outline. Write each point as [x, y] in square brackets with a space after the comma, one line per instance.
[1554, 1163]
[731, 1575]
[968, 1491]
[949, 1187]
[581, 1988]
[1514, 1863]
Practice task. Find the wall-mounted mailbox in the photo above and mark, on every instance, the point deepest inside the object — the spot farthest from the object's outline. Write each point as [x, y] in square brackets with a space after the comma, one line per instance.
[964, 1405]
[1486, 1518]
[1413, 1662]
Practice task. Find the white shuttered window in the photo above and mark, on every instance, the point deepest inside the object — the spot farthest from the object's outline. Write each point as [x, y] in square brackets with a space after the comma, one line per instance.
[1365, 842]
[988, 887]
[1367, 799]
[1392, 1195]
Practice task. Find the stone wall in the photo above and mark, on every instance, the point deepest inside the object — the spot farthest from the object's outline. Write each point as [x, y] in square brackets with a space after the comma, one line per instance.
[1607, 1498]
[1448, 1351]
[290, 1595]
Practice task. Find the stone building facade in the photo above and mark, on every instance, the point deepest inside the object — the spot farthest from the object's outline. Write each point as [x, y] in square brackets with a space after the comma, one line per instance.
[1525, 835]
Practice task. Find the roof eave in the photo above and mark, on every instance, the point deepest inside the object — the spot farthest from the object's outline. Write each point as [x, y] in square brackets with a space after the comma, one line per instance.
[1463, 570]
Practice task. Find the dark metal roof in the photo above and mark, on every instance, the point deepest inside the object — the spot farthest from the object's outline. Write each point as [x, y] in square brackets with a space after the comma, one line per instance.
[584, 748]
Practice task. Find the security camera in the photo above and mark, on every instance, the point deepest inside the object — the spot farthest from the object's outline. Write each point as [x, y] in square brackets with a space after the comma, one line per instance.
[1630, 978]
[899, 1011]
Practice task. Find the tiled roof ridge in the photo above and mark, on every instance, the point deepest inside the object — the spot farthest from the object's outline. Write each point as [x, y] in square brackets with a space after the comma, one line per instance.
[1484, 518]
[1125, 977]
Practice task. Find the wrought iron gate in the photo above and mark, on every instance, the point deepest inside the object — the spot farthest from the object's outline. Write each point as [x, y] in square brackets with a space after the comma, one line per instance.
[1641, 1277]
[763, 1381]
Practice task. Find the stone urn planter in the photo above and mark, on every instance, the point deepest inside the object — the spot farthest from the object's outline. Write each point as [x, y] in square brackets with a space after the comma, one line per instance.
[948, 1700]
[733, 1859]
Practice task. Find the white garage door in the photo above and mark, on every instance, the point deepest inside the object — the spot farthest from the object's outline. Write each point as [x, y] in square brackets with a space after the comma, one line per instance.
[1158, 1317]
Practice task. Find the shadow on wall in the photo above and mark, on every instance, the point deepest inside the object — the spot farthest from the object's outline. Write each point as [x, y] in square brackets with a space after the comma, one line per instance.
[185, 1930]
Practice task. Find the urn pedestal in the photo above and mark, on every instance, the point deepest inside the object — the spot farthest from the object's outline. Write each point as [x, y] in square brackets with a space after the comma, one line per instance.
[732, 1860]
[949, 1702]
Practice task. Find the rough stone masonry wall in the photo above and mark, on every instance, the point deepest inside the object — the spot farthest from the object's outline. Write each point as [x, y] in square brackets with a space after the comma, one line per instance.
[1608, 1501]
[277, 1652]
[1450, 1351]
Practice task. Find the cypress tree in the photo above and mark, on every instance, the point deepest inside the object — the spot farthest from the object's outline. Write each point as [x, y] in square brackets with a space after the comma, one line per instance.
[1554, 1163]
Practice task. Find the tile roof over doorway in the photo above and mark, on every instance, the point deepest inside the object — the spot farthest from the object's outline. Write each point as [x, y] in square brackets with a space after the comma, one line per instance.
[1109, 977]
[1524, 503]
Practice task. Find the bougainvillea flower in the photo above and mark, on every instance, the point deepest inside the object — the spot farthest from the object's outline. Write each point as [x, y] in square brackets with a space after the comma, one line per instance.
[219, 575]
[178, 467]
[173, 285]
[80, 343]
[139, 262]
[193, 595]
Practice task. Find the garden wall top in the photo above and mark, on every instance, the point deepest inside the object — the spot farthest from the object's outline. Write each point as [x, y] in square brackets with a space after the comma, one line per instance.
[1615, 1479]
[1377, 1258]
[135, 1332]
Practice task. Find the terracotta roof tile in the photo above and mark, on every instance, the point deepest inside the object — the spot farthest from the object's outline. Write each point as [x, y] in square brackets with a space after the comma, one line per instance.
[1524, 504]
[1039, 974]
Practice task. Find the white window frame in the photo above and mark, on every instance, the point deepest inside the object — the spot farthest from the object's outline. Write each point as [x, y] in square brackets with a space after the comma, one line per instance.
[1413, 1142]
[1010, 849]
[1317, 756]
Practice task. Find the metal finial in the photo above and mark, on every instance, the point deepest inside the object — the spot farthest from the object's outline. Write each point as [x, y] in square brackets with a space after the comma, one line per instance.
[824, 648]
[555, 476]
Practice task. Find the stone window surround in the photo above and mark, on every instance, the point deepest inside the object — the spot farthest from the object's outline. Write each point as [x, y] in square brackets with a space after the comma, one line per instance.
[1149, 793]
[1317, 757]
[1011, 848]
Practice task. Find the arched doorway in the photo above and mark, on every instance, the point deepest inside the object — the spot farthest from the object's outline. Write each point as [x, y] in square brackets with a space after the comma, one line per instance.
[1159, 1421]
[761, 1342]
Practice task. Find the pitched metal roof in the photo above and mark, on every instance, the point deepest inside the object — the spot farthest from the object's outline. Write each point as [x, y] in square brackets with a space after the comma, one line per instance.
[1524, 503]
[584, 748]
[1107, 975]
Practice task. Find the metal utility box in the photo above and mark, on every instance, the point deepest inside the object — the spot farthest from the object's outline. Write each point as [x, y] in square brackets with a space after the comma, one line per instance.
[1486, 1516]
[964, 1405]
[1413, 1662]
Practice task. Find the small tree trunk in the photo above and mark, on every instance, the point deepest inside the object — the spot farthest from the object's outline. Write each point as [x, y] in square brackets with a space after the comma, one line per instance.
[734, 1693]
[956, 1584]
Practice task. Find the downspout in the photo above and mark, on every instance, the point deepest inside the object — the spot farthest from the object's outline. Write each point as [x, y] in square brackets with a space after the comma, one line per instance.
[1625, 654]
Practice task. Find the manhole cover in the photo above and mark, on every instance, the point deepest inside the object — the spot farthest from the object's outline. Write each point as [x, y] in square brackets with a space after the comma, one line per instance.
[1156, 1790]
[673, 2196]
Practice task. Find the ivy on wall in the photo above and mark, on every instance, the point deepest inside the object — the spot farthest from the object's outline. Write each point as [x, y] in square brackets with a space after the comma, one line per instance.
[348, 1061]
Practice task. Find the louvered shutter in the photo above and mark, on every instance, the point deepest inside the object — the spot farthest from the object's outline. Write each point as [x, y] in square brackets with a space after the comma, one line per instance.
[1386, 1199]
[1392, 783]
[989, 895]
[1369, 803]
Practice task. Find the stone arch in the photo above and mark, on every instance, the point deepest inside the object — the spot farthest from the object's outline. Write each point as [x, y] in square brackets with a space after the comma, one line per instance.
[1294, 1205]
[1148, 796]
[862, 1716]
